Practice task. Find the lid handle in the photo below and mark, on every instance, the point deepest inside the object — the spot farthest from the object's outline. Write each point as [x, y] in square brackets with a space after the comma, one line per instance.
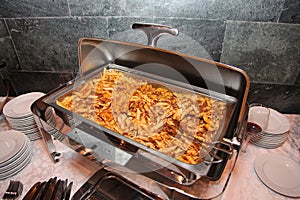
[154, 31]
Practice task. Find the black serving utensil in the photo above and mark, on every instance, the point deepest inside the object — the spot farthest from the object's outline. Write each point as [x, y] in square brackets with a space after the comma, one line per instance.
[30, 194]
[56, 190]
[53, 189]
[48, 192]
[68, 191]
[39, 191]
[60, 191]
[14, 190]
[64, 189]
[45, 189]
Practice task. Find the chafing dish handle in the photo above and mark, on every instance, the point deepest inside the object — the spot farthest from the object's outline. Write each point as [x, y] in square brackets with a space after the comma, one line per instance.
[154, 31]
[216, 158]
[237, 139]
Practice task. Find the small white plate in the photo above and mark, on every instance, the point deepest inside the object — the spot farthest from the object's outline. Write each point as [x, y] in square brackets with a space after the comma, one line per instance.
[18, 168]
[269, 146]
[278, 123]
[17, 161]
[17, 155]
[21, 120]
[20, 106]
[268, 140]
[280, 173]
[11, 142]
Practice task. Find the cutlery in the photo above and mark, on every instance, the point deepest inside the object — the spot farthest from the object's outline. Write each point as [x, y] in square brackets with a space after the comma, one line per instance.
[53, 189]
[60, 191]
[14, 190]
[39, 191]
[57, 192]
[67, 192]
[29, 195]
[65, 185]
[48, 192]
[50, 182]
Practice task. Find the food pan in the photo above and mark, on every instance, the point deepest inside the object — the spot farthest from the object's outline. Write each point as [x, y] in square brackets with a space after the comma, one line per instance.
[118, 106]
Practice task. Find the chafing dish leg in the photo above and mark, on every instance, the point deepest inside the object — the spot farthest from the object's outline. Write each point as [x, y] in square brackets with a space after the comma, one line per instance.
[50, 146]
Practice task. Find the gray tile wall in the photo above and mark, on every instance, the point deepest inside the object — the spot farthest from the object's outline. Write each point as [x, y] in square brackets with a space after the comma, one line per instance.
[49, 44]
[267, 51]
[38, 39]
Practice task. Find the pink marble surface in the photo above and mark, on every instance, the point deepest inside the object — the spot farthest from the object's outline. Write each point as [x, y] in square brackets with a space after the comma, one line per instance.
[71, 166]
[244, 183]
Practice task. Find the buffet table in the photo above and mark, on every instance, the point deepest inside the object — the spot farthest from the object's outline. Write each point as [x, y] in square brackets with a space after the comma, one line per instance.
[243, 184]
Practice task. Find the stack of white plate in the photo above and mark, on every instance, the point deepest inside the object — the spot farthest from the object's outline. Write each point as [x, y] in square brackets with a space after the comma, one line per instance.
[15, 153]
[276, 133]
[19, 116]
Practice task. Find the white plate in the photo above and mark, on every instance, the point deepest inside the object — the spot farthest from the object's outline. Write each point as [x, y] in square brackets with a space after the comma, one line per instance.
[34, 137]
[279, 173]
[278, 123]
[17, 169]
[17, 155]
[29, 132]
[20, 121]
[18, 161]
[11, 142]
[269, 140]
[23, 127]
[271, 137]
[20, 106]
[268, 146]
[22, 118]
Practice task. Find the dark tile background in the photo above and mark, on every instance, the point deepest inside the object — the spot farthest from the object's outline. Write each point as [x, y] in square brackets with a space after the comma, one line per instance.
[266, 51]
[38, 80]
[33, 8]
[280, 97]
[111, 7]
[290, 12]
[202, 38]
[50, 44]
[119, 28]
[245, 10]
[38, 39]
[7, 52]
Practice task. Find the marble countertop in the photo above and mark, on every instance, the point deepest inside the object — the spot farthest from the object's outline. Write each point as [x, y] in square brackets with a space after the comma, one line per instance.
[243, 184]
[71, 166]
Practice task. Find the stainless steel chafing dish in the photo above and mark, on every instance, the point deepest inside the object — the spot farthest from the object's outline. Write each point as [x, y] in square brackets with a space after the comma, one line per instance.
[120, 155]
